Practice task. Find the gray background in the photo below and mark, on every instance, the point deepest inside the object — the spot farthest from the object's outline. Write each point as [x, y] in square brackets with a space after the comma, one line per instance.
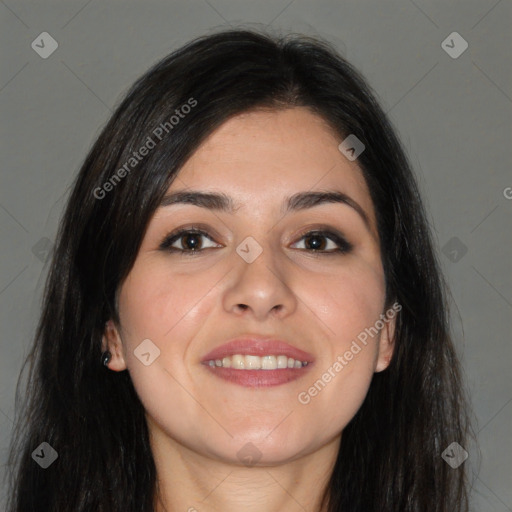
[453, 115]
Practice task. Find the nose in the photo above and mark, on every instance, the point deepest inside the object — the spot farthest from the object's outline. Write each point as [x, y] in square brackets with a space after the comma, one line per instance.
[259, 288]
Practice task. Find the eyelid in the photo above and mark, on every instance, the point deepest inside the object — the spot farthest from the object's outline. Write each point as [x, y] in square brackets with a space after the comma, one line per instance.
[320, 228]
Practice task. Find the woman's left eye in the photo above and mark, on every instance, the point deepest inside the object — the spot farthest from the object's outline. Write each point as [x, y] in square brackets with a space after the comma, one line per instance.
[317, 241]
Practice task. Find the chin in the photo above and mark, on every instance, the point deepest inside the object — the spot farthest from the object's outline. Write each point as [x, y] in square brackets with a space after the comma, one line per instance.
[262, 449]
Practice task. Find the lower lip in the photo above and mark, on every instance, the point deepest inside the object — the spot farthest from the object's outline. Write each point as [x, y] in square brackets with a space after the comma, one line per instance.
[259, 378]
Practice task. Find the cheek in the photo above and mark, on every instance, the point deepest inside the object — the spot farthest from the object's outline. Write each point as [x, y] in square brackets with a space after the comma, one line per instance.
[169, 310]
[347, 301]
[348, 305]
[157, 304]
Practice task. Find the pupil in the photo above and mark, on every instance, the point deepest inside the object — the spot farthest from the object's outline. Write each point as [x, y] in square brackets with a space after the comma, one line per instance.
[318, 243]
[192, 241]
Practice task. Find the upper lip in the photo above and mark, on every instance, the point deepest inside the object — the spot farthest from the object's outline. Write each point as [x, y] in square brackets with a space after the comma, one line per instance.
[254, 345]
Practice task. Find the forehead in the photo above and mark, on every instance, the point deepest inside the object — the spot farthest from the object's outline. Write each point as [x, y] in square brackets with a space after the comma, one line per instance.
[259, 157]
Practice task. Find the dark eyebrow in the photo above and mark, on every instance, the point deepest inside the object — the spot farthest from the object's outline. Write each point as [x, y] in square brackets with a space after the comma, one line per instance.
[300, 201]
[210, 200]
[304, 200]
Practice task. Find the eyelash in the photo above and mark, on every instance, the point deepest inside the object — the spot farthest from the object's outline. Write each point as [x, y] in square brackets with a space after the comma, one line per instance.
[344, 247]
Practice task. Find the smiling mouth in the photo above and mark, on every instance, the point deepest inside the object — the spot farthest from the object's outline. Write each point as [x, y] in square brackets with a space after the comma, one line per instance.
[254, 371]
[257, 362]
[254, 362]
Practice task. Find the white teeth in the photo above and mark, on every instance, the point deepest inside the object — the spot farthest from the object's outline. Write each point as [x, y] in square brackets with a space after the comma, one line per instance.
[270, 363]
[282, 362]
[250, 362]
[238, 362]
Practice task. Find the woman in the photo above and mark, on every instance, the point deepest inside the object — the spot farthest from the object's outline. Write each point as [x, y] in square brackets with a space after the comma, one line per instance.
[244, 309]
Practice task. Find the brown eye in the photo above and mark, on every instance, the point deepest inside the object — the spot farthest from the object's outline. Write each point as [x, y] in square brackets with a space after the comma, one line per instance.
[318, 241]
[187, 241]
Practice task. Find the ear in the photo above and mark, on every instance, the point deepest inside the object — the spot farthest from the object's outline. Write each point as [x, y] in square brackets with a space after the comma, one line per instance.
[386, 345]
[112, 342]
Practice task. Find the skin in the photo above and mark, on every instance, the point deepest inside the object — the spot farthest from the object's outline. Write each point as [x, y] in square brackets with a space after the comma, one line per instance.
[187, 305]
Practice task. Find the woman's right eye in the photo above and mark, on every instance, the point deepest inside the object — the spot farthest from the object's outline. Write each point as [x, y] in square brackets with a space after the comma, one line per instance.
[187, 241]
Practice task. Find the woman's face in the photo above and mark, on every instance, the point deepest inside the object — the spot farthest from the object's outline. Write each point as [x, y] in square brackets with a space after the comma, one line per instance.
[257, 272]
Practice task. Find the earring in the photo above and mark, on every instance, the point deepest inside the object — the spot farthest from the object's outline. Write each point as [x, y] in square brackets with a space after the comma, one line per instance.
[106, 357]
